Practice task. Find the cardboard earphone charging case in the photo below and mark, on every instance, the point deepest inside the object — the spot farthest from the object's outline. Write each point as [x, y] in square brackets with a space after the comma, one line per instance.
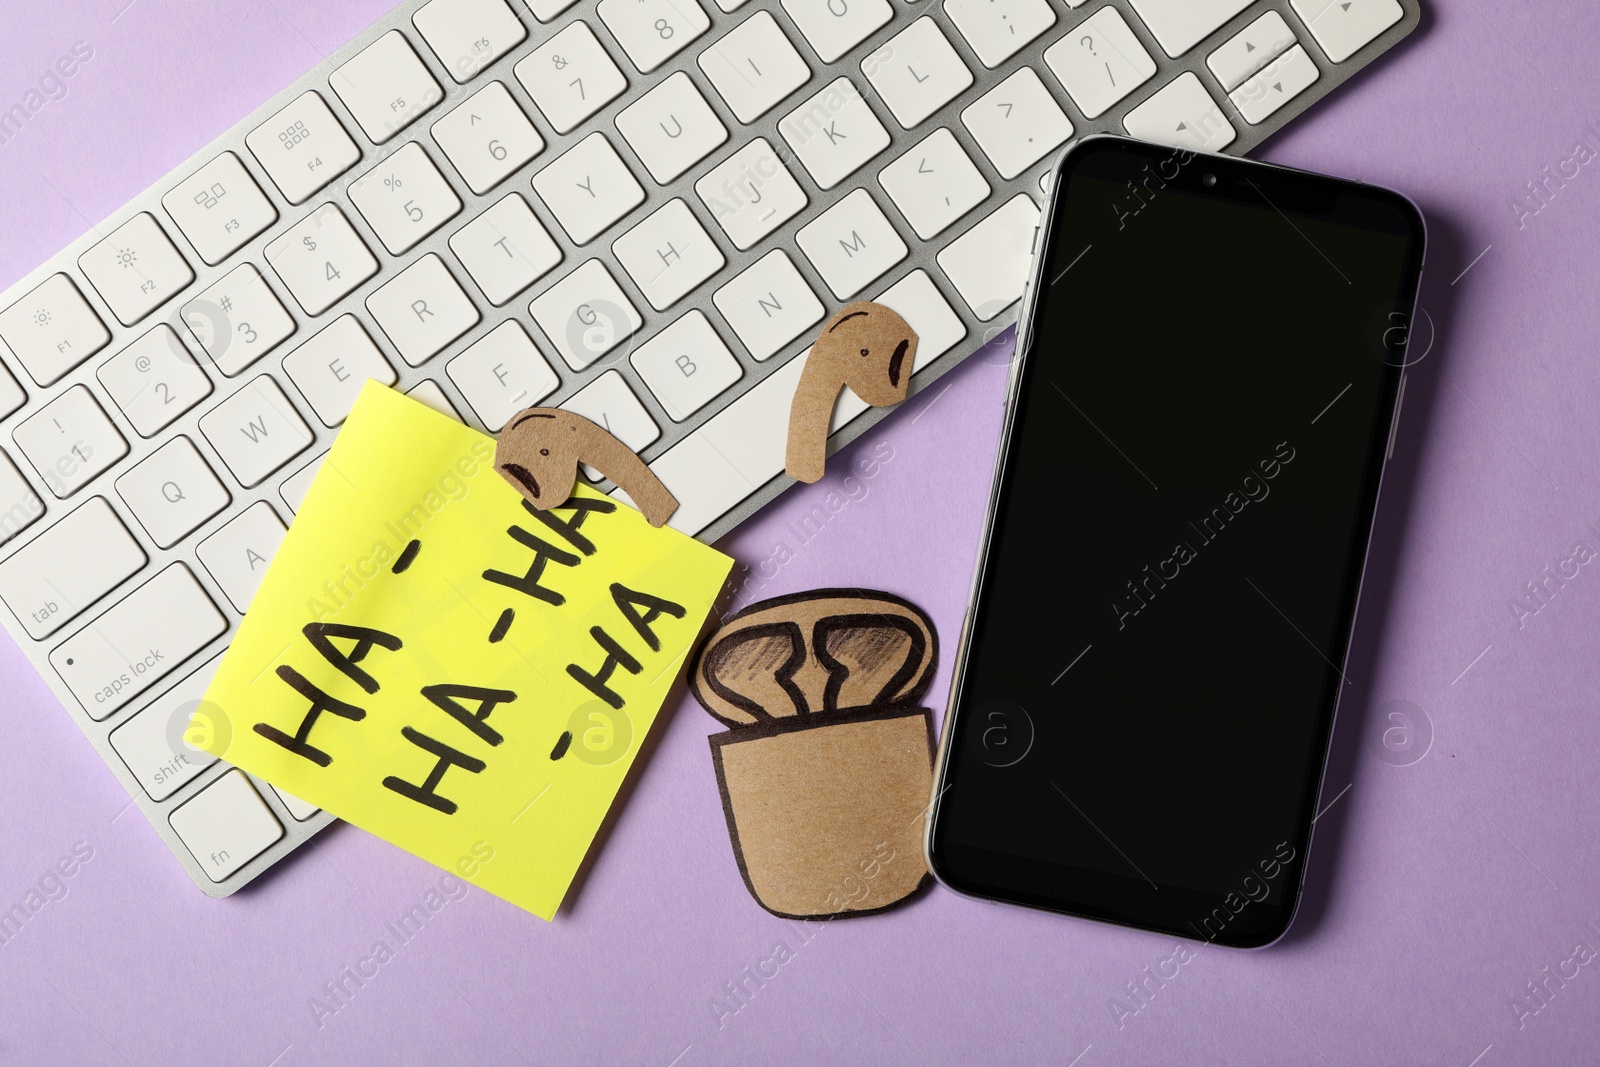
[827, 767]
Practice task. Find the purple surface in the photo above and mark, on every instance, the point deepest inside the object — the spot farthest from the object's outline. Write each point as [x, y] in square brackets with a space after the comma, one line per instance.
[1438, 889]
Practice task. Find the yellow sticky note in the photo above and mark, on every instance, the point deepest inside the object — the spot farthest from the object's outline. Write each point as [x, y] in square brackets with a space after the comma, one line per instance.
[437, 663]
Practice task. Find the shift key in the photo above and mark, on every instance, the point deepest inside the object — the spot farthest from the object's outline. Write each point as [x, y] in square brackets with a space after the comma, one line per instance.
[138, 642]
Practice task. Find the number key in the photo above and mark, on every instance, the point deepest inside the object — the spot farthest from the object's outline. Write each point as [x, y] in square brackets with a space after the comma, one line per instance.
[321, 259]
[570, 77]
[238, 320]
[488, 138]
[404, 198]
[69, 441]
[653, 31]
[154, 380]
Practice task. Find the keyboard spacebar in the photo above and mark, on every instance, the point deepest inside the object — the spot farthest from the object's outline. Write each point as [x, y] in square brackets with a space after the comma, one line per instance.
[138, 641]
[738, 450]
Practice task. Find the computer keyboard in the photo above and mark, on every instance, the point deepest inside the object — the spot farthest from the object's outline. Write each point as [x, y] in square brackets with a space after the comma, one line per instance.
[636, 209]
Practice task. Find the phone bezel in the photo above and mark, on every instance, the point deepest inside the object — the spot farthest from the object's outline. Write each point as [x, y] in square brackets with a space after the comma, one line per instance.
[1019, 880]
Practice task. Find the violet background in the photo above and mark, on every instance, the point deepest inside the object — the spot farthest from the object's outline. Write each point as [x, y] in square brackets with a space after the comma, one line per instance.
[1437, 890]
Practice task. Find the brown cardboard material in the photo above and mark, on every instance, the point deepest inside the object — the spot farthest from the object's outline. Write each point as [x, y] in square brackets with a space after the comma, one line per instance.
[539, 451]
[867, 347]
[826, 772]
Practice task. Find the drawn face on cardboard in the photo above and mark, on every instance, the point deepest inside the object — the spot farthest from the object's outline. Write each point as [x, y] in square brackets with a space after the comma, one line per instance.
[871, 349]
[539, 453]
[540, 449]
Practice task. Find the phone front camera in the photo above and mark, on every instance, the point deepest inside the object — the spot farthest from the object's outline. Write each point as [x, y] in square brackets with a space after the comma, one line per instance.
[1208, 180]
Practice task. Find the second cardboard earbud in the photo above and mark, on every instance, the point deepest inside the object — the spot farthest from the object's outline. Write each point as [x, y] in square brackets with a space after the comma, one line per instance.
[867, 347]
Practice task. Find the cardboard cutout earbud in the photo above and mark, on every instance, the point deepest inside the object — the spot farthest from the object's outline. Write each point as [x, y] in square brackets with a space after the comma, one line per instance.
[866, 346]
[539, 451]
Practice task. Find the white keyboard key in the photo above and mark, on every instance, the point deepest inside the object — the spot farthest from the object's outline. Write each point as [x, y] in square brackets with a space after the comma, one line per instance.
[11, 395]
[386, 87]
[20, 506]
[546, 10]
[136, 269]
[989, 263]
[468, 35]
[769, 304]
[851, 243]
[1100, 62]
[256, 430]
[502, 373]
[422, 310]
[754, 66]
[294, 488]
[570, 77]
[585, 315]
[332, 367]
[428, 392]
[1183, 115]
[296, 807]
[917, 72]
[671, 128]
[588, 188]
[226, 825]
[237, 555]
[1179, 25]
[833, 27]
[997, 29]
[321, 259]
[834, 133]
[152, 743]
[934, 184]
[1017, 123]
[653, 31]
[172, 491]
[238, 320]
[404, 198]
[668, 254]
[54, 577]
[686, 366]
[53, 329]
[608, 401]
[219, 208]
[303, 148]
[1252, 48]
[138, 641]
[1344, 27]
[154, 380]
[918, 301]
[505, 249]
[751, 193]
[69, 441]
[1275, 85]
[488, 138]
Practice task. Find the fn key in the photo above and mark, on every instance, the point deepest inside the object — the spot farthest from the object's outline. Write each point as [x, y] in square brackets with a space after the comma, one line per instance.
[226, 825]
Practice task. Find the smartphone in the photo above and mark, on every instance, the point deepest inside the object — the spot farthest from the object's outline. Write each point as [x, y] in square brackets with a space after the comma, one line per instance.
[1210, 364]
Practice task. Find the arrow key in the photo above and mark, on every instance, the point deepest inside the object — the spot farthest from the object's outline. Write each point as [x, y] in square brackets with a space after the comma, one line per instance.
[1183, 115]
[1278, 82]
[1344, 27]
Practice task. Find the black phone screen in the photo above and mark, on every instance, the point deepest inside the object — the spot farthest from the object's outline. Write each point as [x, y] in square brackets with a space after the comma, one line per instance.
[1212, 364]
